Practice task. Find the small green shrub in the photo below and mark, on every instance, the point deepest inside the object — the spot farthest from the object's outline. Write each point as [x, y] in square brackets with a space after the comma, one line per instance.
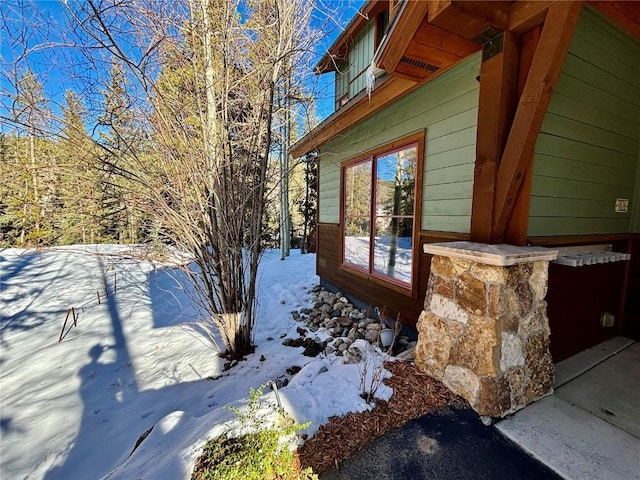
[262, 454]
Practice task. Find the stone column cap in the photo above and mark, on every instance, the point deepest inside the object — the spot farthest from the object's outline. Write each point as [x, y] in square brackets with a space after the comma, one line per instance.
[501, 255]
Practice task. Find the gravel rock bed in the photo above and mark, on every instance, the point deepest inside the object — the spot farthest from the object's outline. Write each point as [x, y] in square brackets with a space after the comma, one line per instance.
[335, 324]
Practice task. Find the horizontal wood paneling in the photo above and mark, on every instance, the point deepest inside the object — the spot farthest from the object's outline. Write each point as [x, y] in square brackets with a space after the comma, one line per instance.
[579, 130]
[570, 188]
[577, 226]
[566, 148]
[580, 85]
[587, 153]
[566, 169]
[447, 143]
[447, 109]
[449, 175]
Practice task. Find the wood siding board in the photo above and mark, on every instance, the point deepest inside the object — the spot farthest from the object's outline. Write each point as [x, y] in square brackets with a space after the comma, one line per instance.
[594, 116]
[571, 188]
[575, 207]
[607, 101]
[562, 168]
[447, 223]
[462, 138]
[438, 105]
[455, 207]
[454, 124]
[442, 176]
[610, 39]
[452, 191]
[602, 78]
[582, 132]
[360, 55]
[450, 158]
[570, 149]
[589, 48]
[551, 226]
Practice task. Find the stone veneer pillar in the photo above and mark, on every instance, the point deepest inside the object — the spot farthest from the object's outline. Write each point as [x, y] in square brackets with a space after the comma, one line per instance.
[484, 331]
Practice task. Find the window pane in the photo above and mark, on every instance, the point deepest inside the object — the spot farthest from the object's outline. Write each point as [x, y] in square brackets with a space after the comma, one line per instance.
[357, 190]
[357, 214]
[393, 247]
[357, 235]
[395, 182]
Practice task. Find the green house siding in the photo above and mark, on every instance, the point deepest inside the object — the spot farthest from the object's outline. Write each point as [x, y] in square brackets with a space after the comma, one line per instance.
[446, 109]
[587, 153]
[350, 76]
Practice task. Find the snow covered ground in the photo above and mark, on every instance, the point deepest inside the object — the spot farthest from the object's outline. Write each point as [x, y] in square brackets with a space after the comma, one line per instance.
[75, 409]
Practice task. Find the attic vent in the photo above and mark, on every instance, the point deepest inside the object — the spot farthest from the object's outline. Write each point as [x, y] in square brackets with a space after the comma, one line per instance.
[412, 62]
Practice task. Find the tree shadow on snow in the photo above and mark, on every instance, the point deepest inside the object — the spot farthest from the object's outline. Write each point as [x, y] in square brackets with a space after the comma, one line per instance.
[21, 288]
[111, 396]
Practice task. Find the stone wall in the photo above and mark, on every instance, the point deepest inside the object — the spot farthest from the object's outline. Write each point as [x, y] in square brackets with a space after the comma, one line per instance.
[484, 332]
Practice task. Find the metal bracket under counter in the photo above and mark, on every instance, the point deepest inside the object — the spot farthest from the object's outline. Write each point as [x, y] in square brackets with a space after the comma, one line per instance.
[589, 255]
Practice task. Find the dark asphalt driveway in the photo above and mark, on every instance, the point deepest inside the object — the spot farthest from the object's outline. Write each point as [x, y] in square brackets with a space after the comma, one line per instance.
[449, 444]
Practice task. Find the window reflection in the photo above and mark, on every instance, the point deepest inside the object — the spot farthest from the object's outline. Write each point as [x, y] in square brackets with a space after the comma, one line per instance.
[378, 231]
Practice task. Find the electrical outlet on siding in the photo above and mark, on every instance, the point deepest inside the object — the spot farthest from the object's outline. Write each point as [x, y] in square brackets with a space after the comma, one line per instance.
[622, 205]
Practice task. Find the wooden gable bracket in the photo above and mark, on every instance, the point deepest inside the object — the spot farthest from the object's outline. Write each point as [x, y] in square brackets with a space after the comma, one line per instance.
[496, 105]
[557, 33]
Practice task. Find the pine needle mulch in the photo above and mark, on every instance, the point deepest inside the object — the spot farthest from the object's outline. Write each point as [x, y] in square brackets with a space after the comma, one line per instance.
[414, 394]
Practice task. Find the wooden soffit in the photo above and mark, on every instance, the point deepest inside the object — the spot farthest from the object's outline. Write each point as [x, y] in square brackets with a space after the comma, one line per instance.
[416, 49]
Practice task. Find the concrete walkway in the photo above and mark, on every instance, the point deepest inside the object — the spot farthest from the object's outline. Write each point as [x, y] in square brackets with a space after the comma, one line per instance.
[589, 429]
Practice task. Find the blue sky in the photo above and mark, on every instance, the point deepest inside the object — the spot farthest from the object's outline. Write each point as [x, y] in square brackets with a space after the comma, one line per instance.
[58, 68]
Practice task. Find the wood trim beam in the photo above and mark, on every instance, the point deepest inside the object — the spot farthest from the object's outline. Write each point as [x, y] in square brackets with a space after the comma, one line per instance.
[468, 19]
[498, 83]
[525, 15]
[555, 38]
[518, 225]
[494, 12]
[402, 34]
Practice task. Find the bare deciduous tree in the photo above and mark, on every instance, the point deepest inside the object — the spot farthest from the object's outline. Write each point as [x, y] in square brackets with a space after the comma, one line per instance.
[187, 136]
[212, 97]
